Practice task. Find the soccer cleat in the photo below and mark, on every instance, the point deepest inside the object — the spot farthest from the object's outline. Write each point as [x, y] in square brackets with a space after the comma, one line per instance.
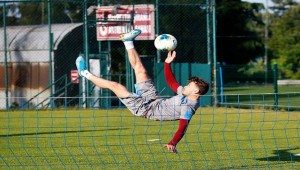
[130, 36]
[80, 64]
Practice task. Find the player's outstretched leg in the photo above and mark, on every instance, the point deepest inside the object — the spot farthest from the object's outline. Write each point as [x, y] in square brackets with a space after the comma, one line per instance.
[134, 59]
[117, 88]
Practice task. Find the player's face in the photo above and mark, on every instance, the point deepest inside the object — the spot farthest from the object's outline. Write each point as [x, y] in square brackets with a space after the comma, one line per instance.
[190, 89]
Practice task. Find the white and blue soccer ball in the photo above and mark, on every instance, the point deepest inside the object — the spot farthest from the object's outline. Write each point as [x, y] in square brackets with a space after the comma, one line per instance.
[165, 42]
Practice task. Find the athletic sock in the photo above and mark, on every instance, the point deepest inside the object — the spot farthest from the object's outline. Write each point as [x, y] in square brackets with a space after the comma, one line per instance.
[86, 74]
[128, 44]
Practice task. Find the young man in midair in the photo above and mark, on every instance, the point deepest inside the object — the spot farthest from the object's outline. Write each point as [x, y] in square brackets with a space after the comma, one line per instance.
[146, 102]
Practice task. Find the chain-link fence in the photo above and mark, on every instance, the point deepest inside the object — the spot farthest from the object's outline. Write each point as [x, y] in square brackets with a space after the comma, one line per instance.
[255, 79]
[247, 54]
[42, 39]
[38, 51]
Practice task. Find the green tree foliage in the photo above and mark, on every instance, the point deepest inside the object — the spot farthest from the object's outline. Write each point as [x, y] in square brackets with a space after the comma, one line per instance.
[285, 42]
[281, 5]
[11, 19]
[254, 68]
[36, 13]
[237, 39]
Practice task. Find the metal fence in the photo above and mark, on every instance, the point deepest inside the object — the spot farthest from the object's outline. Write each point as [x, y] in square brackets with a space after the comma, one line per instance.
[42, 39]
[38, 51]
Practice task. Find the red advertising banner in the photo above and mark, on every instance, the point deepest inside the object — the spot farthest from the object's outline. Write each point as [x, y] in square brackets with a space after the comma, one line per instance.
[115, 20]
[74, 76]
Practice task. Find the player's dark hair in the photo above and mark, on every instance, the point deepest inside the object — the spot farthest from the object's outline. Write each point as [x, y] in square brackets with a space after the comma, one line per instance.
[201, 84]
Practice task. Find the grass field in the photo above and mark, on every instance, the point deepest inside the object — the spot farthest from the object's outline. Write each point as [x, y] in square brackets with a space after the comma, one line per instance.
[217, 138]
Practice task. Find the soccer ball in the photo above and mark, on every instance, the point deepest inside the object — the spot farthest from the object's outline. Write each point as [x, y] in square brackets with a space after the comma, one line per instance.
[165, 42]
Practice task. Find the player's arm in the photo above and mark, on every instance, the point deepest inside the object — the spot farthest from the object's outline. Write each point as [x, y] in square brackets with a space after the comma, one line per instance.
[171, 81]
[183, 124]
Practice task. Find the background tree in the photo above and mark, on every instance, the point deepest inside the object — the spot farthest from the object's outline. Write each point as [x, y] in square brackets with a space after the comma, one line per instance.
[281, 5]
[12, 13]
[285, 41]
[40, 9]
[36, 13]
[237, 38]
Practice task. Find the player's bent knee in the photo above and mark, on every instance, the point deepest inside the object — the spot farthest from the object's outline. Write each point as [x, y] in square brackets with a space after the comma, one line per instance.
[119, 89]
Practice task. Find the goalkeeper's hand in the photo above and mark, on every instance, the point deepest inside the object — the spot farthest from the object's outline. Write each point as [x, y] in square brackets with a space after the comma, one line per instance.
[171, 148]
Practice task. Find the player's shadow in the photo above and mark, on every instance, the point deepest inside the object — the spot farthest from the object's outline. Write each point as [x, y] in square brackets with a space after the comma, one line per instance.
[283, 155]
[58, 132]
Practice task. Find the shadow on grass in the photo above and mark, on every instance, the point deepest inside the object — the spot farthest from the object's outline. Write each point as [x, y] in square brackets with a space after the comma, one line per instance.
[58, 132]
[283, 155]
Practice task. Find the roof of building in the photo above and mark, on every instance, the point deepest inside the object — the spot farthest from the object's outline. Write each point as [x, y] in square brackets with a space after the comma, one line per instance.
[31, 43]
